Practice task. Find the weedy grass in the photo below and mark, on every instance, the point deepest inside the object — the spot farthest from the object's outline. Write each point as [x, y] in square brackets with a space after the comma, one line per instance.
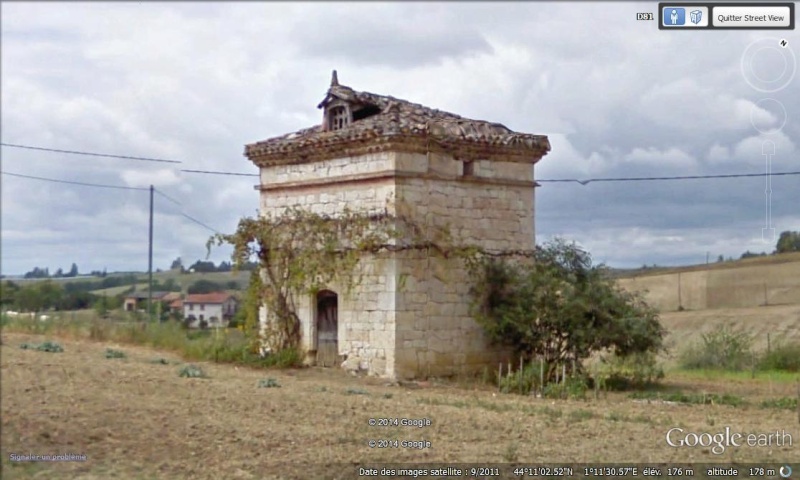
[580, 415]
[268, 383]
[192, 371]
[691, 398]
[47, 346]
[356, 391]
[783, 403]
[111, 353]
[227, 345]
[777, 376]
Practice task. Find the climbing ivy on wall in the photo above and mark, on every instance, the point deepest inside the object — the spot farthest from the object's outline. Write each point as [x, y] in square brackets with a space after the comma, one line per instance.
[549, 302]
[301, 252]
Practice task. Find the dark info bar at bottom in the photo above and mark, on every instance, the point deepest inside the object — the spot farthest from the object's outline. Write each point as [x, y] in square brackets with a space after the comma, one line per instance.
[580, 470]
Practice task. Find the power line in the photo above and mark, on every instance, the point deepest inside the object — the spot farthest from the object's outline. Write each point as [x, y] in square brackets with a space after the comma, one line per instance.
[687, 177]
[184, 214]
[167, 197]
[85, 184]
[582, 182]
[54, 180]
[565, 180]
[72, 152]
[221, 173]
[198, 222]
[570, 180]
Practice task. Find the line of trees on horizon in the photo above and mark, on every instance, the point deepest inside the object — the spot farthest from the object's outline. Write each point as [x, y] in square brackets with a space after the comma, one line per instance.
[199, 266]
[48, 295]
[788, 241]
[45, 273]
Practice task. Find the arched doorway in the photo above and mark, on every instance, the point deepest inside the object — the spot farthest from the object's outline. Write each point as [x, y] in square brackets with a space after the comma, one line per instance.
[327, 328]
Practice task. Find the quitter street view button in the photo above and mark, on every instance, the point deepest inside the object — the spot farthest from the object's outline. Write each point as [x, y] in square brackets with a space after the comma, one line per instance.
[751, 16]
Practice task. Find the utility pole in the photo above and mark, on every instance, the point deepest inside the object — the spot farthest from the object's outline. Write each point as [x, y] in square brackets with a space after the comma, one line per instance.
[150, 262]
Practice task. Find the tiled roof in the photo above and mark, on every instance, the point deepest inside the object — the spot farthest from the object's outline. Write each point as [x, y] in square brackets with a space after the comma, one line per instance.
[171, 296]
[396, 121]
[207, 298]
[143, 295]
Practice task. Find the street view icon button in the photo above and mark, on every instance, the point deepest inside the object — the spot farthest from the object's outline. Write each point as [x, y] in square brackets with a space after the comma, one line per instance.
[674, 16]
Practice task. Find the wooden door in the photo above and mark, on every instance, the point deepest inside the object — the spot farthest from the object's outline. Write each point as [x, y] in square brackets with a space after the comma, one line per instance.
[327, 330]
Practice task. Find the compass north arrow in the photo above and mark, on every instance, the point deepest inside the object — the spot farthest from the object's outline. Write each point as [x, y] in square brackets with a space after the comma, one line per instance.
[768, 233]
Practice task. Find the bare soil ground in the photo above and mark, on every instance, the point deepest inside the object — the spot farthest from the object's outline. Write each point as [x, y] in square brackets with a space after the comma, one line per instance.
[134, 418]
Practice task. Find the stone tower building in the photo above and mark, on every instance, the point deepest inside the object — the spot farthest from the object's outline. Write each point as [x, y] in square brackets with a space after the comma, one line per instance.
[410, 315]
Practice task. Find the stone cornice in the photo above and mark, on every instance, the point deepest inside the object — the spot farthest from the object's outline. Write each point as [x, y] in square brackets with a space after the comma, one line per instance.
[393, 175]
[527, 151]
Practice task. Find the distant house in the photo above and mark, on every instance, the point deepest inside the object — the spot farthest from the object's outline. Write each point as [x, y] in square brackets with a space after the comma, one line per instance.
[173, 300]
[210, 309]
[176, 306]
[171, 297]
[138, 300]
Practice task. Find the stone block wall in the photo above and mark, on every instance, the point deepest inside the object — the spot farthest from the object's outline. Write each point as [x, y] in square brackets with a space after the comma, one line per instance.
[435, 333]
[329, 169]
[366, 318]
[409, 316]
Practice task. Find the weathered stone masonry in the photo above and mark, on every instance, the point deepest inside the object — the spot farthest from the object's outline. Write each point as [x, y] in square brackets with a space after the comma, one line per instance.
[409, 316]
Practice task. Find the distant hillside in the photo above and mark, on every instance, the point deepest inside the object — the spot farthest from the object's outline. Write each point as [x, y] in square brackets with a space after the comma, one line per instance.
[752, 282]
[140, 279]
[765, 260]
[771, 324]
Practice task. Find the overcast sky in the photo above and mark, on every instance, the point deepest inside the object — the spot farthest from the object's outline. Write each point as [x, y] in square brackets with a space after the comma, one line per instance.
[196, 82]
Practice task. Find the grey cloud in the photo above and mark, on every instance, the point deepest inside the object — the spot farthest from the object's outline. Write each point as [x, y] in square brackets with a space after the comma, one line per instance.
[428, 34]
[196, 83]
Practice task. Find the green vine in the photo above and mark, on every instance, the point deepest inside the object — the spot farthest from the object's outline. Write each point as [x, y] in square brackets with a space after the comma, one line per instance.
[252, 304]
[301, 252]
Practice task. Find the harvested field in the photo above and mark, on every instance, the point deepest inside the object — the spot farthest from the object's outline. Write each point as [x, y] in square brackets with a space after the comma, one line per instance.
[774, 324]
[135, 418]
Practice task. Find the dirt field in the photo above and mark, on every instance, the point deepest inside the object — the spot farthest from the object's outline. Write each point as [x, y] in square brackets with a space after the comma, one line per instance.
[136, 419]
[772, 324]
[739, 285]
